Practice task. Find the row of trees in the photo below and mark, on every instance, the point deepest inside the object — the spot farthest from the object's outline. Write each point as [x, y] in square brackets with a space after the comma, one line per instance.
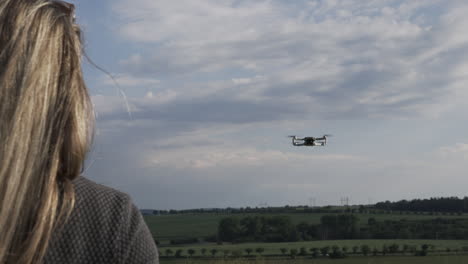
[344, 226]
[442, 204]
[281, 229]
[326, 251]
[254, 210]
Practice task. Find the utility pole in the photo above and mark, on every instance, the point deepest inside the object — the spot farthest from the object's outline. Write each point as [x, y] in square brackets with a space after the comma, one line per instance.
[344, 202]
[312, 202]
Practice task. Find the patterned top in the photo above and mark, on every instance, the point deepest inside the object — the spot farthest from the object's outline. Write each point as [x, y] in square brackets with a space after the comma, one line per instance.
[104, 227]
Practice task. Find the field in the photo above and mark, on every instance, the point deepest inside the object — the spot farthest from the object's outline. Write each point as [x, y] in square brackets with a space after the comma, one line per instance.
[167, 227]
[355, 260]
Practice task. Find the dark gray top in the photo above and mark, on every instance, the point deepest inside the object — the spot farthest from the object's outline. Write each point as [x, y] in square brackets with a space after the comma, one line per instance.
[104, 227]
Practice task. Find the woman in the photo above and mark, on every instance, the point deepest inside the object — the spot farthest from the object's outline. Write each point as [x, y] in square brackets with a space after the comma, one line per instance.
[48, 212]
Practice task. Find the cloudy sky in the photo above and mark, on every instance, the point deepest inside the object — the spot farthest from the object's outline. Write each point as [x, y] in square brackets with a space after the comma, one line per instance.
[205, 93]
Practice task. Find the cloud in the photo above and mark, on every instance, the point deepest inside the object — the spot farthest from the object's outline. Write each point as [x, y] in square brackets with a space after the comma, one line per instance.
[460, 150]
[225, 81]
[202, 157]
[339, 59]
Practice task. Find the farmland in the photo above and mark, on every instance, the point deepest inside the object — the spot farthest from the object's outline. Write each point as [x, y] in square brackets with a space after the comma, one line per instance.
[199, 226]
[167, 227]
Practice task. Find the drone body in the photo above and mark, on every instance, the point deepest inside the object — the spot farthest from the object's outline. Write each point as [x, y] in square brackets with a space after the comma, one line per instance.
[310, 141]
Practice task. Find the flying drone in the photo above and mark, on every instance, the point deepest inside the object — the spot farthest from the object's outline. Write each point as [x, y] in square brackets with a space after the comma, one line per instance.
[310, 141]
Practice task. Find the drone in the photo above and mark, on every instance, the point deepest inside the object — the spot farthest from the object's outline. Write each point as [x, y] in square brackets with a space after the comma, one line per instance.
[310, 141]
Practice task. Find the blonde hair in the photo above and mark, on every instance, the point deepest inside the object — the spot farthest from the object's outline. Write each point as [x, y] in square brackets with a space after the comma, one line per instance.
[46, 124]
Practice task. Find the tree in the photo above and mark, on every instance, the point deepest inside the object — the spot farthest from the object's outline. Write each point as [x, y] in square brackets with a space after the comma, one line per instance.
[169, 252]
[191, 251]
[248, 250]
[251, 226]
[345, 249]
[213, 252]
[259, 250]
[303, 228]
[315, 252]
[343, 226]
[355, 249]
[229, 229]
[284, 251]
[324, 251]
[405, 248]
[302, 251]
[365, 249]
[178, 253]
[393, 248]
[293, 253]
[384, 249]
[335, 248]
[203, 251]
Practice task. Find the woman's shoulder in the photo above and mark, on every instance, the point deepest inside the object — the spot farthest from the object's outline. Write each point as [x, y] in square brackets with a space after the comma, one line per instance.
[88, 190]
[104, 227]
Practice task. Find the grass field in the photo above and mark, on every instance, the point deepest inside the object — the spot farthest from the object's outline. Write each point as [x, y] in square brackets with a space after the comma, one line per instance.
[274, 248]
[167, 227]
[353, 260]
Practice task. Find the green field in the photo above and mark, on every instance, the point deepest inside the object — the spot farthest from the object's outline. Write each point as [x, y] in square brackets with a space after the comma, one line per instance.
[353, 260]
[167, 227]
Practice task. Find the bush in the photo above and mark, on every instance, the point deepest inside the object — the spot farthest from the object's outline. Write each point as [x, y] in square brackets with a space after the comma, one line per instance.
[178, 253]
[315, 252]
[365, 249]
[324, 251]
[169, 252]
[293, 253]
[302, 251]
[284, 251]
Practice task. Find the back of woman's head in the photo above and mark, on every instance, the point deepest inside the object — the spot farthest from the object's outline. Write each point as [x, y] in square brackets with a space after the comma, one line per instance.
[45, 124]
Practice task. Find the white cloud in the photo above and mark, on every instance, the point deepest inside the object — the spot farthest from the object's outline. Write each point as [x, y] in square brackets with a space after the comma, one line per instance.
[233, 78]
[226, 157]
[352, 59]
[457, 151]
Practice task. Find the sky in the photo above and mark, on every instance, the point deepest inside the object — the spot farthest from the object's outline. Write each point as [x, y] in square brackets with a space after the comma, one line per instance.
[197, 99]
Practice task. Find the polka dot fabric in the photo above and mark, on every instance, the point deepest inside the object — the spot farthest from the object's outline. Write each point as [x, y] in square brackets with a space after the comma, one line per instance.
[104, 227]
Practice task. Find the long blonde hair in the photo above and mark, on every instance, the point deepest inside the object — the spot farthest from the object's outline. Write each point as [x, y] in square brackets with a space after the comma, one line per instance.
[46, 124]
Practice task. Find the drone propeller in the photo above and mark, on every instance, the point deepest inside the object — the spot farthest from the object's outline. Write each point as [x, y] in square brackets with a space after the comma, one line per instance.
[291, 136]
[328, 135]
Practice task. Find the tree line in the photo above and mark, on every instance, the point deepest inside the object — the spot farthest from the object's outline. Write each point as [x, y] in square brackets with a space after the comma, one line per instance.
[333, 251]
[336, 226]
[442, 204]
[434, 205]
